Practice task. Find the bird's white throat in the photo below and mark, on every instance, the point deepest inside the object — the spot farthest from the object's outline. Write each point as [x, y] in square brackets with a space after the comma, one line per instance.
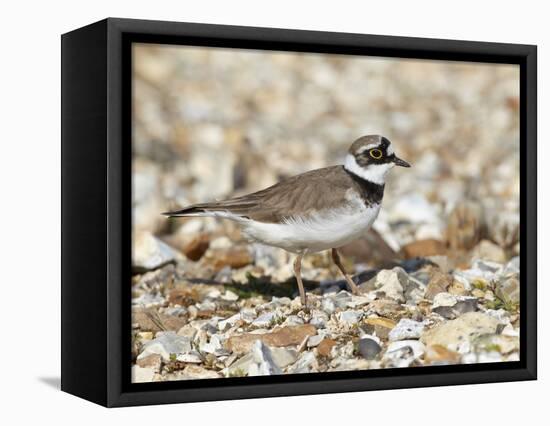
[375, 173]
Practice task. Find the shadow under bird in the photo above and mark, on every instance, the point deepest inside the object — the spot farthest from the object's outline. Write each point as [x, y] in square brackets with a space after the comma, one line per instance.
[318, 210]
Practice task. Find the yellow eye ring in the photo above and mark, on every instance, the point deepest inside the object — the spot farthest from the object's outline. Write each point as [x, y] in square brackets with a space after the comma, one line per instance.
[376, 153]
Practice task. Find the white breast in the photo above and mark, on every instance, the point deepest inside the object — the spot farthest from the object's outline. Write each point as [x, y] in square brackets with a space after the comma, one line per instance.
[319, 231]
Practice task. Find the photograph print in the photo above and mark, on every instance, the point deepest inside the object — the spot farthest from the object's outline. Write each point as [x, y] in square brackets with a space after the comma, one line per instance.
[314, 213]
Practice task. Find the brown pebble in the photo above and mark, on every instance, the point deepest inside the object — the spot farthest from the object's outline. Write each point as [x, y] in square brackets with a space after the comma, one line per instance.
[150, 361]
[234, 257]
[439, 283]
[438, 354]
[381, 326]
[196, 248]
[325, 347]
[284, 336]
[423, 248]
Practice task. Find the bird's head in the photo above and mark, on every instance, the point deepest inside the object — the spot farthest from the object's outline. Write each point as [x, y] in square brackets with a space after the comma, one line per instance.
[371, 158]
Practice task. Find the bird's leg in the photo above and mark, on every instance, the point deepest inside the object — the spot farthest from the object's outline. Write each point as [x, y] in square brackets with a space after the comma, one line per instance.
[298, 274]
[336, 258]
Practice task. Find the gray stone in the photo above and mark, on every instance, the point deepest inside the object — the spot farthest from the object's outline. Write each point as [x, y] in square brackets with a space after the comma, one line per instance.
[341, 300]
[328, 305]
[266, 320]
[226, 324]
[368, 348]
[508, 289]
[305, 364]
[450, 306]
[314, 341]
[293, 320]
[283, 357]
[349, 317]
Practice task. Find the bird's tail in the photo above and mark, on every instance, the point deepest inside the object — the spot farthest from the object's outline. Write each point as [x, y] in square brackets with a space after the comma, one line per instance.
[205, 209]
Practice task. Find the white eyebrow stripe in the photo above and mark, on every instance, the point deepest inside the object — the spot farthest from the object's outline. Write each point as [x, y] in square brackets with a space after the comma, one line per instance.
[367, 147]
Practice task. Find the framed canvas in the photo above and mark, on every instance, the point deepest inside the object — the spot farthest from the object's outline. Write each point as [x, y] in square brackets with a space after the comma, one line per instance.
[254, 212]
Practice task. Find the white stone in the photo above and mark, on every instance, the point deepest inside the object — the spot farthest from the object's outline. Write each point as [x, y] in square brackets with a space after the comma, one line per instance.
[293, 320]
[414, 208]
[151, 253]
[417, 347]
[142, 374]
[328, 305]
[258, 362]
[283, 357]
[214, 346]
[305, 363]
[248, 315]
[444, 299]
[165, 344]
[391, 283]
[149, 300]
[192, 357]
[406, 329]
[226, 324]
[266, 320]
[230, 296]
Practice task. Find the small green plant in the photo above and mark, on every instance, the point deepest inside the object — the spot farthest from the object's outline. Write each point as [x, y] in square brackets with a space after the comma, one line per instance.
[480, 284]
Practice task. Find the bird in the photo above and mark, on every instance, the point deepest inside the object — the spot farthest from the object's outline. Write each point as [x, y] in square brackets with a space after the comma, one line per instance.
[322, 209]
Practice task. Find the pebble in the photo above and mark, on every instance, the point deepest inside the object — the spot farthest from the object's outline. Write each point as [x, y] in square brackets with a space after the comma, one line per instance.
[283, 357]
[406, 329]
[438, 283]
[381, 327]
[450, 306]
[153, 361]
[392, 283]
[440, 355]
[151, 253]
[508, 289]
[284, 336]
[325, 347]
[423, 248]
[166, 344]
[368, 347]
[488, 250]
[417, 347]
[314, 341]
[349, 317]
[305, 364]
[453, 333]
[265, 320]
[142, 375]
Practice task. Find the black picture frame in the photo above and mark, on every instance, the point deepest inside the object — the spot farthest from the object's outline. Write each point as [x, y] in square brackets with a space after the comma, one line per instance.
[96, 210]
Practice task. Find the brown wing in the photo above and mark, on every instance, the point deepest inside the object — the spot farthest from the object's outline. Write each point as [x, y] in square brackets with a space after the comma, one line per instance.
[285, 199]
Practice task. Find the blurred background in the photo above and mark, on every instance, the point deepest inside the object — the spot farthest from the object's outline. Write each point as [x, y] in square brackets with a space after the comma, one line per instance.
[213, 123]
[438, 273]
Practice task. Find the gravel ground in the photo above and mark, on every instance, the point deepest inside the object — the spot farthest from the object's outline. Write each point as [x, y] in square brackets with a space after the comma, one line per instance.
[439, 271]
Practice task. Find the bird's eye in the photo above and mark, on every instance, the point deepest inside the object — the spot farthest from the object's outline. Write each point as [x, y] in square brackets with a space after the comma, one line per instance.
[376, 153]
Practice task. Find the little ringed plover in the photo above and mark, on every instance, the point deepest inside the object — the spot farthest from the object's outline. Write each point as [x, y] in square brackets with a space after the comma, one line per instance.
[318, 210]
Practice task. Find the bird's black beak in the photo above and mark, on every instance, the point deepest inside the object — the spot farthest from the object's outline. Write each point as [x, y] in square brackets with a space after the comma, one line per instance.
[399, 162]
